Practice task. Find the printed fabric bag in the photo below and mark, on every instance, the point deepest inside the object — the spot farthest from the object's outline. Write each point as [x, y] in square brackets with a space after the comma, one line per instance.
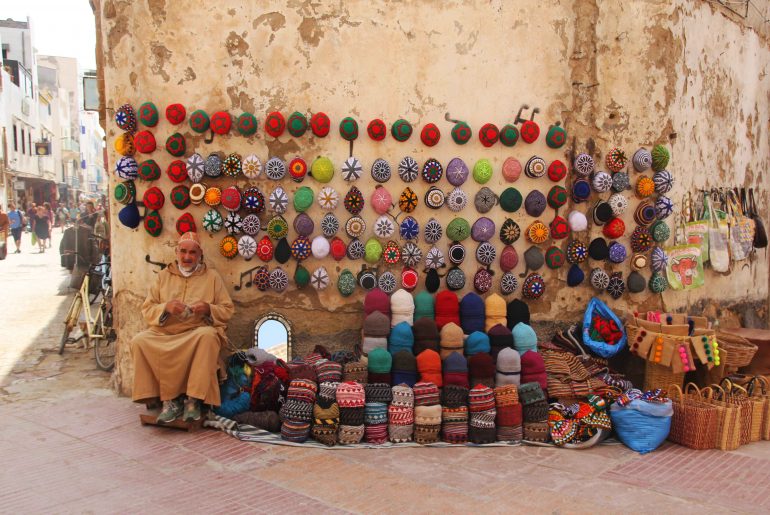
[696, 232]
[684, 268]
[741, 229]
[719, 235]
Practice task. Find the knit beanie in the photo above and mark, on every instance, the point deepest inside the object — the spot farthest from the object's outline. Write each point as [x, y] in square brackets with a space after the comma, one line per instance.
[451, 339]
[328, 371]
[517, 311]
[423, 306]
[429, 366]
[455, 369]
[454, 396]
[454, 423]
[509, 414]
[524, 338]
[476, 342]
[401, 414]
[401, 307]
[447, 308]
[495, 311]
[533, 370]
[426, 335]
[355, 371]
[326, 419]
[481, 405]
[500, 337]
[379, 366]
[376, 423]
[482, 370]
[404, 369]
[472, 313]
[426, 394]
[401, 338]
[376, 324]
[378, 392]
[351, 394]
[350, 435]
[377, 300]
[508, 367]
[369, 343]
[427, 424]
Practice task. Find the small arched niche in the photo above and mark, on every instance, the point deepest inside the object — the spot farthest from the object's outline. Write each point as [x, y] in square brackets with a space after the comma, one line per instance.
[273, 334]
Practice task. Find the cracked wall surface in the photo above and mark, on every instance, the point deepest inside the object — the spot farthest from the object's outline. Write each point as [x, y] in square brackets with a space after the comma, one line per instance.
[629, 74]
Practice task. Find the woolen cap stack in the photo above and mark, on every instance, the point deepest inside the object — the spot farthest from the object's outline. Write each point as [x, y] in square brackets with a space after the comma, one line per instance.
[455, 370]
[404, 369]
[401, 307]
[481, 405]
[327, 391]
[509, 414]
[533, 370]
[378, 392]
[423, 306]
[452, 338]
[472, 313]
[401, 415]
[326, 419]
[429, 367]
[376, 423]
[380, 364]
[508, 368]
[351, 399]
[447, 308]
[426, 393]
[401, 338]
[351, 394]
[482, 370]
[476, 342]
[350, 435]
[524, 338]
[426, 335]
[516, 311]
[328, 371]
[500, 337]
[355, 371]
[454, 424]
[377, 300]
[427, 424]
[495, 311]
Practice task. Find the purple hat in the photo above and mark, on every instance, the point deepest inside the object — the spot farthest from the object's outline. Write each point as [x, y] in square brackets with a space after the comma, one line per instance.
[535, 203]
[617, 252]
[483, 229]
[457, 172]
[304, 225]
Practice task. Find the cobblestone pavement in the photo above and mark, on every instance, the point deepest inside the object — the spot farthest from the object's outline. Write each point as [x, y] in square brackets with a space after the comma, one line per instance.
[69, 445]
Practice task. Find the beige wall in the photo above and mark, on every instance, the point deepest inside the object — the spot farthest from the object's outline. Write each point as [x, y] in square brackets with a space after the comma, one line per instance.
[629, 74]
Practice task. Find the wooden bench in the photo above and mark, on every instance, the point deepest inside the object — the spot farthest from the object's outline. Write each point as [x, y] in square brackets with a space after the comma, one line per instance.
[760, 365]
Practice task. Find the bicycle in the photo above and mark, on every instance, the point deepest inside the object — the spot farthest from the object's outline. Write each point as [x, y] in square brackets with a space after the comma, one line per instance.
[97, 329]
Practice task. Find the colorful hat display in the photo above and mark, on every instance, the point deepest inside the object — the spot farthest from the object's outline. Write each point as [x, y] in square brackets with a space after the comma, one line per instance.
[645, 186]
[664, 181]
[644, 213]
[509, 232]
[180, 196]
[197, 193]
[199, 121]
[641, 239]
[583, 165]
[247, 247]
[376, 129]
[126, 168]
[125, 118]
[430, 135]
[212, 221]
[275, 168]
[153, 223]
[576, 252]
[401, 130]
[535, 167]
[185, 223]
[660, 157]
[509, 135]
[489, 134]
[432, 171]
[355, 226]
[320, 124]
[663, 207]
[231, 166]
[148, 114]
[144, 142]
[213, 196]
[354, 201]
[297, 169]
[228, 247]
[279, 200]
[246, 124]
[456, 200]
[149, 170]
[434, 198]
[322, 169]
[432, 231]
[275, 124]
[381, 170]
[642, 160]
[618, 203]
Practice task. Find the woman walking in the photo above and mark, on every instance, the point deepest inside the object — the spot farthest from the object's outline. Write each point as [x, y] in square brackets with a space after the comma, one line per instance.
[42, 227]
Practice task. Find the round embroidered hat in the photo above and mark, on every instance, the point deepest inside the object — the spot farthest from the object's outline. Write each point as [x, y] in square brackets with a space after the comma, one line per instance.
[457, 172]
[577, 221]
[197, 193]
[252, 200]
[384, 227]
[300, 248]
[482, 171]
[557, 170]
[381, 200]
[275, 124]
[233, 223]
[620, 181]
[354, 201]
[602, 213]
[411, 254]
[432, 171]
[636, 282]
[251, 224]
[535, 203]
[408, 170]
[616, 286]
[642, 160]
[664, 206]
[153, 223]
[559, 227]
[618, 203]
[598, 249]
[185, 223]
[231, 198]
[510, 200]
[391, 253]
[303, 199]
[639, 262]
[322, 169]
[641, 239]
[409, 228]
[483, 229]
[456, 200]
[297, 124]
[279, 280]
[328, 198]
[575, 276]
[381, 170]
[124, 144]
[175, 145]
[644, 213]
[277, 227]
[508, 283]
[576, 252]
[485, 200]
[279, 200]
[246, 124]
[538, 232]
[581, 190]
[533, 287]
[433, 231]
[509, 258]
[148, 114]
[511, 169]
[180, 196]
[599, 279]
[616, 159]
[351, 169]
[213, 165]
[401, 130]
[372, 250]
[614, 229]
[554, 257]
[297, 169]
[660, 157]
[601, 182]
[482, 280]
[387, 282]
[125, 192]
[458, 229]
[126, 168]
[461, 133]
[486, 253]
[153, 198]
[213, 196]
[330, 225]
[265, 249]
[660, 231]
[320, 124]
[337, 248]
[658, 283]
[247, 247]
[617, 252]
[319, 279]
[489, 134]
[199, 121]
[143, 142]
[430, 135]
[177, 170]
[645, 186]
[408, 200]
[303, 224]
[456, 253]
[149, 170]
[509, 135]
[664, 181]
[434, 198]
[583, 165]
[125, 118]
[355, 226]
[376, 129]
[275, 168]
[175, 113]
[509, 232]
[535, 167]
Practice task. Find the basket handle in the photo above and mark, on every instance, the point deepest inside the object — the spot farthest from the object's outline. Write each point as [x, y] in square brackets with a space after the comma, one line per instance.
[692, 386]
[676, 388]
[722, 393]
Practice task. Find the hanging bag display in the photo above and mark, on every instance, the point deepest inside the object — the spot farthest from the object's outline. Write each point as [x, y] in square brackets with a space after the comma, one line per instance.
[719, 252]
[741, 229]
[760, 233]
[684, 267]
[696, 232]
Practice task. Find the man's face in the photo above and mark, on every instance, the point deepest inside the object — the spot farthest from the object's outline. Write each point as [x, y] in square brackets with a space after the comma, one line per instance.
[188, 255]
[90, 208]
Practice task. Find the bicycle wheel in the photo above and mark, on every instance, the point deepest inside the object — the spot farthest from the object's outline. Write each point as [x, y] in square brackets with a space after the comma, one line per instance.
[104, 345]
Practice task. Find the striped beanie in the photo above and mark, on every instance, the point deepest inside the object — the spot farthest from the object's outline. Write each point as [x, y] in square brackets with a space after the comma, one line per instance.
[378, 392]
[328, 371]
[426, 394]
[351, 394]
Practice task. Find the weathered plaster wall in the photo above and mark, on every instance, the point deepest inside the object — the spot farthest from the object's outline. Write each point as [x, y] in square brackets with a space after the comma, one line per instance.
[628, 74]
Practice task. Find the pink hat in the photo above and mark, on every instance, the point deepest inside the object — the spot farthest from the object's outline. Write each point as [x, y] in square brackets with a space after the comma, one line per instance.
[381, 200]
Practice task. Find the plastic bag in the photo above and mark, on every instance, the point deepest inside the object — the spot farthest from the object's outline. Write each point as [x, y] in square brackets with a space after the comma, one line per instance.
[603, 349]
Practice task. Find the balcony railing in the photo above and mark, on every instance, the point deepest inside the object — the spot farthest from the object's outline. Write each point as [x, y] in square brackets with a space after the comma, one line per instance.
[70, 145]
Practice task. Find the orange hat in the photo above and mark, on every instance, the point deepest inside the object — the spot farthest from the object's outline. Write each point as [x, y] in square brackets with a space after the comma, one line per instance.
[429, 366]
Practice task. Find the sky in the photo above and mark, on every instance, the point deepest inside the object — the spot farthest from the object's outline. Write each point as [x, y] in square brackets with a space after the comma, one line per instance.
[59, 27]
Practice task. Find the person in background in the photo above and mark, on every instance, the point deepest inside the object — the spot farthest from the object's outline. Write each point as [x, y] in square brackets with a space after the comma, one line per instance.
[73, 213]
[17, 223]
[42, 225]
[31, 212]
[4, 225]
[61, 216]
[90, 216]
[51, 222]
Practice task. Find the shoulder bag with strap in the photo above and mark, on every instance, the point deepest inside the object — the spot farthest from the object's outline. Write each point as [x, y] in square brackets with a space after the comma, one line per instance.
[719, 251]
[741, 229]
[760, 234]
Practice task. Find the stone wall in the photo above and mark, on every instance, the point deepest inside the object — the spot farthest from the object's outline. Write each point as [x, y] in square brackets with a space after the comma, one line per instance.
[629, 74]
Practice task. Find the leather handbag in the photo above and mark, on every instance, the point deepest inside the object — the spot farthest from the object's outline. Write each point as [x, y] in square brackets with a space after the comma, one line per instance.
[760, 234]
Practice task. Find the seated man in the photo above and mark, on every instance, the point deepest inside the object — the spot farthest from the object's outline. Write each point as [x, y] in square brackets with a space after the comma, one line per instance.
[177, 358]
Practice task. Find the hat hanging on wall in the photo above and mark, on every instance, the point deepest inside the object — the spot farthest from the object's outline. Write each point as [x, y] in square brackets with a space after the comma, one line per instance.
[148, 114]
[144, 142]
[297, 169]
[642, 160]
[489, 134]
[322, 169]
[247, 247]
[556, 136]
[275, 124]
[126, 168]
[381, 170]
[575, 276]
[125, 118]
[482, 171]
[511, 169]
[457, 172]
[320, 124]
[199, 121]
[581, 190]
[297, 124]
[401, 130]
[430, 135]
[387, 282]
[433, 231]
[509, 135]
[246, 124]
[434, 198]
[508, 283]
[461, 131]
[620, 181]
[275, 168]
[330, 225]
[376, 130]
[509, 232]
[319, 279]
[485, 200]
[351, 169]
[432, 171]
[125, 192]
[185, 223]
[213, 221]
[150, 171]
[221, 123]
[530, 130]
[533, 287]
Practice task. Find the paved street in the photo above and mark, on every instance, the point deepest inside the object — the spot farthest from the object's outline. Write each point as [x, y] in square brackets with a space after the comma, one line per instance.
[69, 445]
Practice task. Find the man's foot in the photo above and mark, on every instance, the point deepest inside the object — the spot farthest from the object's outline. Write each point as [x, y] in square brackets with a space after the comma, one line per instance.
[172, 410]
[192, 410]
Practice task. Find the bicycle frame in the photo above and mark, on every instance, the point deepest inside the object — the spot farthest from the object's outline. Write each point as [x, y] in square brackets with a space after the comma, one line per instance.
[81, 304]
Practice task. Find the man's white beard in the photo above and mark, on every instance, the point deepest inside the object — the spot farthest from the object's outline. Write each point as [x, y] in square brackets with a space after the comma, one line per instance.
[188, 271]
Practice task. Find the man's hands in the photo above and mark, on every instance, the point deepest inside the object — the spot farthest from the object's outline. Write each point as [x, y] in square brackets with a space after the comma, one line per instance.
[175, 307]
[201, 308]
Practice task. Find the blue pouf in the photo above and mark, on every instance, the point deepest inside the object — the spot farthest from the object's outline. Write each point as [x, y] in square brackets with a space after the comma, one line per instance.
[641, 425]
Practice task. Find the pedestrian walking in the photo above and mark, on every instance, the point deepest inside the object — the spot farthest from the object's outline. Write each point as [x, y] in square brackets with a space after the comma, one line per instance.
[42, 225]
[17, 223]
[61, 215]
[51, 222]
[4, 226]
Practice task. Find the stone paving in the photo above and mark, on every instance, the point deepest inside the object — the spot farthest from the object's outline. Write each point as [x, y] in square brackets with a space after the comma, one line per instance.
[69, 445]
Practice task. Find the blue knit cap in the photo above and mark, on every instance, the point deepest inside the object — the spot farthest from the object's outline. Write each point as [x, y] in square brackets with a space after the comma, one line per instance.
[476, 342]
[401, 338]
[455, 362]
[472, 314]
[575, 276]
[524, 338]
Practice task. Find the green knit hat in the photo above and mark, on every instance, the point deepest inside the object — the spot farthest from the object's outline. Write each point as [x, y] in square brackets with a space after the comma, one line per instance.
[458, 229]
[303, 199]
[322, 169]
[461, 133]
[482, 171]
[349, 129]
[401, 130]
[247, 124]
[373, 250]
[510, 200]
[199, 121]
[148, 114]
[424, 306]
[297, 124]
[380, 361]
[301, 276]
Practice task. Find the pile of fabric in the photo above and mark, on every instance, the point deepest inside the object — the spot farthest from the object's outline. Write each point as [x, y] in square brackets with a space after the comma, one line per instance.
[579, 421]
[297, 412]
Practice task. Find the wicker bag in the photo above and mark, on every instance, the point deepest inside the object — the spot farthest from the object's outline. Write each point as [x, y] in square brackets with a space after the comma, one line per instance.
[759, 388]
[728, 437]
[740, 351]
[739, 397]
[694, 422]
[658, 376]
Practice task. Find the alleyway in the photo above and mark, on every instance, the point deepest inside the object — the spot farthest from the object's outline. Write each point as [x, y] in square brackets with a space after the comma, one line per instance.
[69, 445]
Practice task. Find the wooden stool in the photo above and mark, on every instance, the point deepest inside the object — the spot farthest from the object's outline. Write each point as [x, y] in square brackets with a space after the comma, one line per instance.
[148, 419]
[760, 365]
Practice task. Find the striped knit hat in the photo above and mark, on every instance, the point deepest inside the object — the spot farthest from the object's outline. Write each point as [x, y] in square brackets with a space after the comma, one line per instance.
[351, 395]
[328, 371]
[426, 394]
